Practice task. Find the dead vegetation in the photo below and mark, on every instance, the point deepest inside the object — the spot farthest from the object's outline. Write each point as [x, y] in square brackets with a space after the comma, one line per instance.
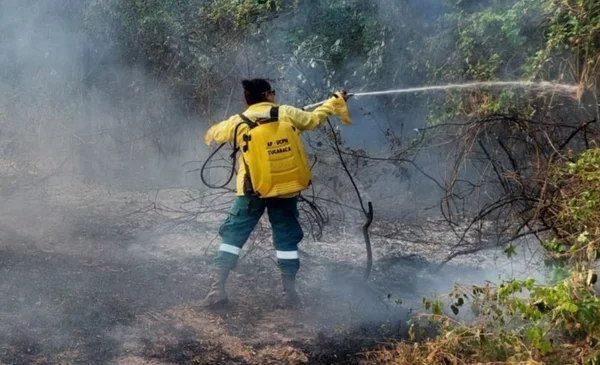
[522, 321]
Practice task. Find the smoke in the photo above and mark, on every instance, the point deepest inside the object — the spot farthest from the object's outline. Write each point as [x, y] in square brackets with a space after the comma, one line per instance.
[78, 125]
[88, 127]
[67, 96]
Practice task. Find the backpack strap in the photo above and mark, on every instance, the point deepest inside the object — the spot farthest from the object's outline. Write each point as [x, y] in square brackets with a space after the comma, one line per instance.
[273, 116]
[274, 113]
[247, 120]
[247, 185]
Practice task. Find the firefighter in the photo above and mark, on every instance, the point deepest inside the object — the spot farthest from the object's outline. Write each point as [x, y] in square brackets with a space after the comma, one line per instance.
[249, 205]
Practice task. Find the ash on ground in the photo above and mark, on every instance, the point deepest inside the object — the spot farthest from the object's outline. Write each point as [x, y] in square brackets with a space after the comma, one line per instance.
[91, 276]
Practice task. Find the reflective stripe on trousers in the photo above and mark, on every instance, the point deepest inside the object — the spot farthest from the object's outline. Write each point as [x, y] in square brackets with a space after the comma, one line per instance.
[230, 249]
[287, 255]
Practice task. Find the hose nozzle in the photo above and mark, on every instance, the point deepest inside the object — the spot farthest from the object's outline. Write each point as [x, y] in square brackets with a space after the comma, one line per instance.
[311, 106]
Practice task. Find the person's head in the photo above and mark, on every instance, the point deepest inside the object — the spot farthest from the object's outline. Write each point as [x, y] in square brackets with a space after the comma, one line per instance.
[257, 91]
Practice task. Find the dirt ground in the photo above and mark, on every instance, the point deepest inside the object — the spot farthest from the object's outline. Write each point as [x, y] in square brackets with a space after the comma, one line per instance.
[89, 276]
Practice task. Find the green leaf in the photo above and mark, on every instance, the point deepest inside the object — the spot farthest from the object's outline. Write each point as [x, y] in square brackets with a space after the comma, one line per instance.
[569, 307]
[510, 250]
[437, 308]
[529, 283]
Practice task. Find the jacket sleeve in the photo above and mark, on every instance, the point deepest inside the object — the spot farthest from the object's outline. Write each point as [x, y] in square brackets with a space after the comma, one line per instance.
[222, 132]
[307, 120]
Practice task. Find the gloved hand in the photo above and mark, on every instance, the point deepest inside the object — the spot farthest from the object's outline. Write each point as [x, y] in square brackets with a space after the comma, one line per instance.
[342, 110]
[343, 94]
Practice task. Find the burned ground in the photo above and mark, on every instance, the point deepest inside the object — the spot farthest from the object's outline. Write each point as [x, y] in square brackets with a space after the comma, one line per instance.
[86, 282]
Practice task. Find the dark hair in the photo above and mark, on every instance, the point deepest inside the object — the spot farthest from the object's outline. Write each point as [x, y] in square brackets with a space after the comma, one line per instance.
[255, 90]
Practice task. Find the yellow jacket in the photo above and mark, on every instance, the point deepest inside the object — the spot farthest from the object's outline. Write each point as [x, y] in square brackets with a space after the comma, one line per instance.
[223, 131]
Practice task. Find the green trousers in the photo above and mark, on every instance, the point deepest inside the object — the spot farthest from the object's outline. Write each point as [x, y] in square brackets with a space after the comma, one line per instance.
[243, 217]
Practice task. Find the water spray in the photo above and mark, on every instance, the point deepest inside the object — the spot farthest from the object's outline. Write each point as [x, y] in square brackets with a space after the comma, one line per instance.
[543, 85]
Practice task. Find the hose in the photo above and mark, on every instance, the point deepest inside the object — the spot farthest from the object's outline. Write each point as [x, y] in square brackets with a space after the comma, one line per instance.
[232, 172]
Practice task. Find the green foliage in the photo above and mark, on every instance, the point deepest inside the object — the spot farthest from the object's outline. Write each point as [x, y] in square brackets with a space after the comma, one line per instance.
[572, 27]
[520, 320]
[349, 43]
[489, 42]
[509, 250]
[195, 45]
[578, 208]
[513, 326]
[335, 36]
[187, 45]
[436, 306]
[518, 39]
[344, 29]
[331, 43]
[244, 14]
[587, 166]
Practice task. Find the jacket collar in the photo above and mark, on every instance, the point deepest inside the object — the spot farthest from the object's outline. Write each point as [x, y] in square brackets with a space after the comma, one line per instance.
[258, 106]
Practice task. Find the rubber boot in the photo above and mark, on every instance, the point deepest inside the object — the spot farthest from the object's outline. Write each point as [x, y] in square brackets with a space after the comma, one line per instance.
[217, 295]
[292, 299]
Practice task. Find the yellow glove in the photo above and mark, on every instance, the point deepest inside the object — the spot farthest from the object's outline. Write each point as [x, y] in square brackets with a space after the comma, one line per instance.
[341, 109]
[209, 136]
[221, 132]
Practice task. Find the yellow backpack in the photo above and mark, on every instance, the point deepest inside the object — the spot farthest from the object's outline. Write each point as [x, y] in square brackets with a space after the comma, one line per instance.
[274, 157]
